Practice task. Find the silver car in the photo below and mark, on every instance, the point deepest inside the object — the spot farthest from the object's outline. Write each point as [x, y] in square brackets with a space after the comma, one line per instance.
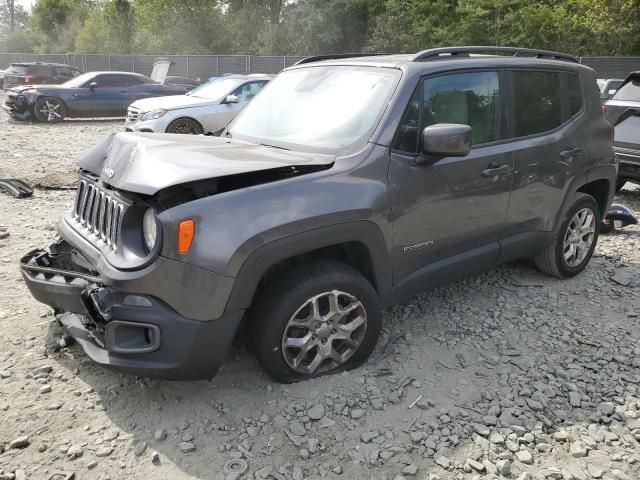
[206, 109]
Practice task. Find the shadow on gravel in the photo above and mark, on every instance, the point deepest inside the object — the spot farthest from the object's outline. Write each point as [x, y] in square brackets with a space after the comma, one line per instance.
[505, 373]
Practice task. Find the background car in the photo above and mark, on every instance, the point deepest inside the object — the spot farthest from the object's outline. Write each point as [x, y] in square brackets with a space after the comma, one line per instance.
[623, 112]
[36, 73]
[1, 78]
[186, 82]
[94, 94]
[206, 109]
[608, 87]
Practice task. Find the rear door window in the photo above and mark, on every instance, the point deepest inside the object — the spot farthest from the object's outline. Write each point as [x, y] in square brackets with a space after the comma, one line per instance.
[537, 99]
[64, 72]
[112, 80]
[465, 98]
[629, 91]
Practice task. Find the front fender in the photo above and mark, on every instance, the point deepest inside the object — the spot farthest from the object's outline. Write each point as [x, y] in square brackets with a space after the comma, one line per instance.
[261, 259]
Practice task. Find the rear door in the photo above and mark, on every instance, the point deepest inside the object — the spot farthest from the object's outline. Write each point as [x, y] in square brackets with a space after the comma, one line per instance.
[546, 120]
[457, 205]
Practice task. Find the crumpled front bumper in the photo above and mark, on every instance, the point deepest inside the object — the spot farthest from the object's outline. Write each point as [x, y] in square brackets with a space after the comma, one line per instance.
[17, 106]
[134, 333]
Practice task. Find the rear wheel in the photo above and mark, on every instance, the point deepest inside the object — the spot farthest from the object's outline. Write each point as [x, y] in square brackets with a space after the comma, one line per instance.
[187, 126]
[575, 240]
[49, 110]
[317, 319]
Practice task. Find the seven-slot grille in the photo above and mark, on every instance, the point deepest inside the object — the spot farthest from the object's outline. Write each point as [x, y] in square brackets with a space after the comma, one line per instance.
[132, 114]
[99, 212]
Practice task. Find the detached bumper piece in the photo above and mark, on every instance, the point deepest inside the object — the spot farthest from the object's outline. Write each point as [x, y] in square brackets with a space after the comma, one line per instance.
[132, 333]
[629, 162]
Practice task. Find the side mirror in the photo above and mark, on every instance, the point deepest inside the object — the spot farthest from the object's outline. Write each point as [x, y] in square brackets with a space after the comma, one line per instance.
[93, 85]
[445, 140]
[231, 99]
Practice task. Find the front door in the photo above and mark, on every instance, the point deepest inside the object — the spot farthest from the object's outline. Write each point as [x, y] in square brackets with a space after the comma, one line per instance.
[456, 205]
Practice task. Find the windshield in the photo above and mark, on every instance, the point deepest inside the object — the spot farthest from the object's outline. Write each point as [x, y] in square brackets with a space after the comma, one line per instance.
[79, 81]
[216, 89]
[318, 107]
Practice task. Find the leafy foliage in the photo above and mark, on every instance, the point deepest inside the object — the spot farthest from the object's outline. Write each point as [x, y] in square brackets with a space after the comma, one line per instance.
[263, 27]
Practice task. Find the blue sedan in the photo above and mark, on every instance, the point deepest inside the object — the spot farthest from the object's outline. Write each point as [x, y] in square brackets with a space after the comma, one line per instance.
[93, 94]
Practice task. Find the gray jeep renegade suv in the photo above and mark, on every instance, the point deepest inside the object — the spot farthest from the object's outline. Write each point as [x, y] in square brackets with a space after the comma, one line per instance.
[347, 185]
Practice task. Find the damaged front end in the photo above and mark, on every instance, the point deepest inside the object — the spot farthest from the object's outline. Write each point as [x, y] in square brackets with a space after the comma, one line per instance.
[58, 278]
[17, 106]
[136, 333]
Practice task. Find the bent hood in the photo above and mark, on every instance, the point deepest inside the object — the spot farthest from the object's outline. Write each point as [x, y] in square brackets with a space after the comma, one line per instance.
[171, 102]
[149, 162]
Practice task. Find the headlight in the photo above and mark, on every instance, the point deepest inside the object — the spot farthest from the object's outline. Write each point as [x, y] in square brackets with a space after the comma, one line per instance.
[149, 229]
[153, 114]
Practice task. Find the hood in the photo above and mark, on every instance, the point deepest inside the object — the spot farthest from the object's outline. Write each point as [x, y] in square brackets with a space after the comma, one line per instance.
[149, 162]
[22, 88]
[170, 103]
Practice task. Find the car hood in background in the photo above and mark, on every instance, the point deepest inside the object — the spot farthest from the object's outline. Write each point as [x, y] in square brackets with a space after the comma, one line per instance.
[146, 163]
[171, 102]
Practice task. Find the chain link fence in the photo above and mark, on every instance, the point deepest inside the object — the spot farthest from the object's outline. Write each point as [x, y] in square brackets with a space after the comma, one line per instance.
[204, 66]
[194, 66]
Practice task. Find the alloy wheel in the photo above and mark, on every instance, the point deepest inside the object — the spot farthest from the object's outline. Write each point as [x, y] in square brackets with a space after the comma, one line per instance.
[579, 237]
[51, 110]
[324, 332]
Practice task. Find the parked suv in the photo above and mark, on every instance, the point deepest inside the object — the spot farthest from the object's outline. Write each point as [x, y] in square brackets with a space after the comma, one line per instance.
[36, 73]
[349, 184]
[623, 111]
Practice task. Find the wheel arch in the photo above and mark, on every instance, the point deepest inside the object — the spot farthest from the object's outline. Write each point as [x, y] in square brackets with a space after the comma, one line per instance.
[600, 190]
[359, 244]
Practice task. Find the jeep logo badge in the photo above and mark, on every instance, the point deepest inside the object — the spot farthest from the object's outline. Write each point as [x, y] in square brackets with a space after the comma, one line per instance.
[108, 172]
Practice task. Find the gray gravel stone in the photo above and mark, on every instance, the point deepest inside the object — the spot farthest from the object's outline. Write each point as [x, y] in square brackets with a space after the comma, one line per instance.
[20, 442]
[186, 447]
[316, 412]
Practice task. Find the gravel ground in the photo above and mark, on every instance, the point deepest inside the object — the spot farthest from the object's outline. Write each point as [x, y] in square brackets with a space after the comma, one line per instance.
[509, 374]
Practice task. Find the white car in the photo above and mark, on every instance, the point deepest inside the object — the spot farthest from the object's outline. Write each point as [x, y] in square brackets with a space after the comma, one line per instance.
[207, 109]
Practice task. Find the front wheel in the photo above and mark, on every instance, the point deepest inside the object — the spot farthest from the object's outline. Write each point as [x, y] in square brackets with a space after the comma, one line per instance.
[317, 319]
[49, 110]
[187, 126]
[575, 240]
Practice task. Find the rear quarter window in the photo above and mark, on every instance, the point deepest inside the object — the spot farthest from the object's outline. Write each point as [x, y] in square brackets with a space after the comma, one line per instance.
[574, 93]
[538, 104]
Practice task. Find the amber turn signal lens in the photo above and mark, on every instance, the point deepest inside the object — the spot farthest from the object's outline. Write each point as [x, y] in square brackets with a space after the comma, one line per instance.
[186, 232]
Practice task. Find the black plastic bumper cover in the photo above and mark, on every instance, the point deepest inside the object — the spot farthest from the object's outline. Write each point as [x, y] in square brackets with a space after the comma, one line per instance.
[135, 334]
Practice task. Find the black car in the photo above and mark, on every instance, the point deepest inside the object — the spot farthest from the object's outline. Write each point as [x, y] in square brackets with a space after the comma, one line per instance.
[94, 94]
[36, 73]
[186, 82]
[623, 111]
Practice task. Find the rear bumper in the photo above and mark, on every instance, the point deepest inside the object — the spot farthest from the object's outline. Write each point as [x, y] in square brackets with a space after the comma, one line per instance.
[629, 163]
[135, 333]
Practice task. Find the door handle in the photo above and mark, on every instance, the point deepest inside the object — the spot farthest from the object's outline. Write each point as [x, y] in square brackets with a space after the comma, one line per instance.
[570, 152]
[492, 171]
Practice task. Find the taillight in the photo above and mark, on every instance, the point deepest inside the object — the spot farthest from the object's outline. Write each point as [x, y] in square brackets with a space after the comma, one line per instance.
[29, 78]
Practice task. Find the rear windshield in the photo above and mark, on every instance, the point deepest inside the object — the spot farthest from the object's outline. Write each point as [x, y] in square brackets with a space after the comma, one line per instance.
[629, 91]
[18, 69]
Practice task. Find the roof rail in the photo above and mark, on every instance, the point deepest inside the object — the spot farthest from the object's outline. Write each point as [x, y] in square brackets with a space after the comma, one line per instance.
[334, 56]
[435, 53]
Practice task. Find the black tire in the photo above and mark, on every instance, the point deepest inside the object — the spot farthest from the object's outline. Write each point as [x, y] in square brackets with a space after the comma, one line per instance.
[49, 110]
[620, 184]
[552, 260]
[185, 126]
[285, 295]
